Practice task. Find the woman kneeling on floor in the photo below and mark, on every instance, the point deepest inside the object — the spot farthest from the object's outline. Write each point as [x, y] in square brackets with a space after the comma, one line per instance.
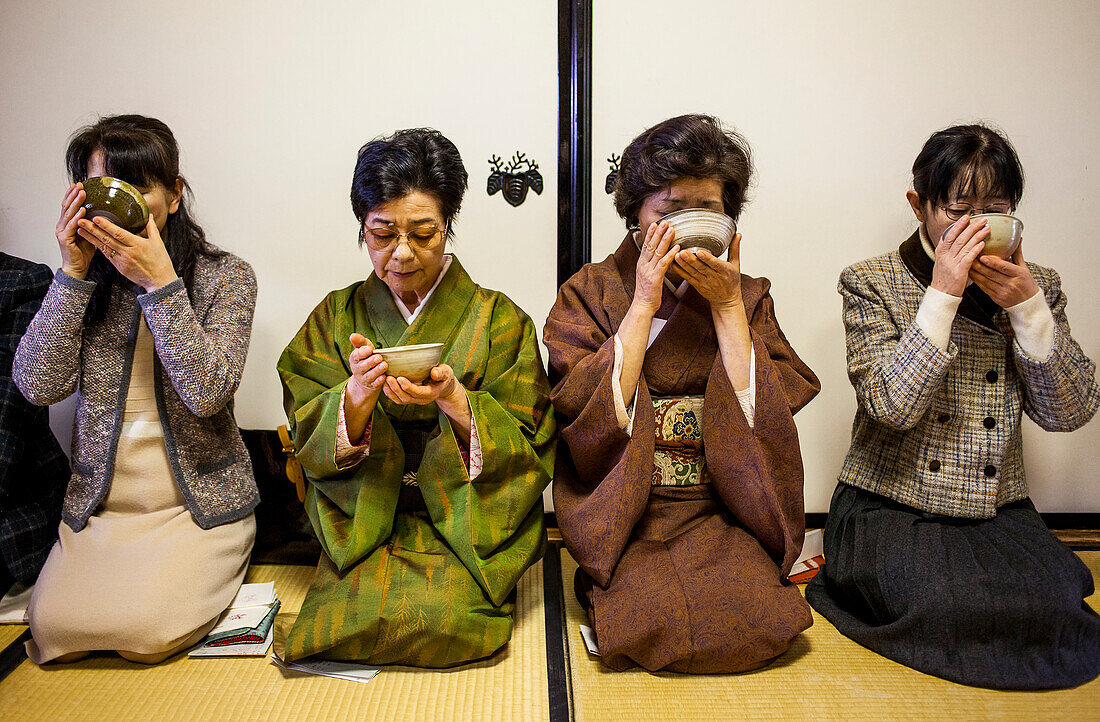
[151, 330]
[426, 496]
[935, 555]
[679, 484]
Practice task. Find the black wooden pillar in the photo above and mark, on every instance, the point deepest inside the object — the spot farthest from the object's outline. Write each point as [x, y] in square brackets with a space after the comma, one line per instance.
[574, 136]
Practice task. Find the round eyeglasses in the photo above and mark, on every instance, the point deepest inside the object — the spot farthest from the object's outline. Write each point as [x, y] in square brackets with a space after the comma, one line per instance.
[385, 238]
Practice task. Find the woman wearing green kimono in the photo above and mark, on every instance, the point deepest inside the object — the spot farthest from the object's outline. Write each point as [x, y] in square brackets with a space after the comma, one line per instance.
[426, 497]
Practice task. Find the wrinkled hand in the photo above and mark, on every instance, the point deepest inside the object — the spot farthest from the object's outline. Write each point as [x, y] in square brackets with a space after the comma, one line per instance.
[76, 253]
[142, 259]
[368, 369]
[441, 387]
[717, 280]
[1007, 283]
[955, 254]
[657, 254]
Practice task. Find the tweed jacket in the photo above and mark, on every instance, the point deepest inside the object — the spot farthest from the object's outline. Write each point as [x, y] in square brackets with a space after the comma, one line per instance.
[936, 429]
[33, 468]
[200, 346]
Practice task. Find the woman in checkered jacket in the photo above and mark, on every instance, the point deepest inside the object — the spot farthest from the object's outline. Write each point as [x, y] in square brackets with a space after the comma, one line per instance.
[936, 557]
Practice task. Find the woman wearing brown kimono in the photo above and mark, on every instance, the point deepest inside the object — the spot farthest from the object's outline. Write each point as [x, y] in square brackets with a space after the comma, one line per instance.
[679, 483]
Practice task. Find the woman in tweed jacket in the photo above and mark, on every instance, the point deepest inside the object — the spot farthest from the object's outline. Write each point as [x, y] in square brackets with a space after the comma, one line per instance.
[936, 557]
[151, 330]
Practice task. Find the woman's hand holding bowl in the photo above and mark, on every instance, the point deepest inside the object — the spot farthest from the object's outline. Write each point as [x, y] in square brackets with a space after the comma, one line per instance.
[955, 254]
[142, 259]
[657, 254]
[368, 370]
[441, 387]
[716, 280]
[1006, 282]
[76, 253]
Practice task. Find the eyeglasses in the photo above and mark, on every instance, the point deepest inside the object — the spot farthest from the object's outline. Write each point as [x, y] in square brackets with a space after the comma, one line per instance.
[385, 238]
[955, 211]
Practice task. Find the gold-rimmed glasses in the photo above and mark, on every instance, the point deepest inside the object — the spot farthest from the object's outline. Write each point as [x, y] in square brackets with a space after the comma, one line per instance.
[386, 238]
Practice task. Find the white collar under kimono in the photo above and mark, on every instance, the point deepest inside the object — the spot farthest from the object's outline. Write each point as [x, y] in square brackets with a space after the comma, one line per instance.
[410, 316]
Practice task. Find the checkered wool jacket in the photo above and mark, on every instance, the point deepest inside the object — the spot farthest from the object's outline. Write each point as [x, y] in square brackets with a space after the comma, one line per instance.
[940, 430]
[33, 468]
[200, 348]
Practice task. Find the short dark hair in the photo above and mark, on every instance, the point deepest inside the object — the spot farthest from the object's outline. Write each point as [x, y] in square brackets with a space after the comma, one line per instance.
[415, 159]
[967, 160]
[687, 146]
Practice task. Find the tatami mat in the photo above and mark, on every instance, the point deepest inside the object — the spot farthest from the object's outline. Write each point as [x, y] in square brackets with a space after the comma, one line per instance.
[823, 676]
[10, 632]
[510, 686]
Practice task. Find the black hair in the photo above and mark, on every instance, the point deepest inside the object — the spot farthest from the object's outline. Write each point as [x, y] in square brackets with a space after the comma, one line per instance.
[411, 160]
[687, 146]
[967, 161]
[143, 152]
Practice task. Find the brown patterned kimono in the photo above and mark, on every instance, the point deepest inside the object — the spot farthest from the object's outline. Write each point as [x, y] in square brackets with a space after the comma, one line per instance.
[683, 562]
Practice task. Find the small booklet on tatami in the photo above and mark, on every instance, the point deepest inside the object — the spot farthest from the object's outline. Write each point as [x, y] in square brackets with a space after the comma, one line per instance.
[327, 668]
[810, 560]
[247, 628]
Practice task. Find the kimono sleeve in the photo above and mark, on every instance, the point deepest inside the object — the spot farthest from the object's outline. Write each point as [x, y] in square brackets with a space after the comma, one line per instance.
[602, 479]
[758, 471]
[352, 509]
[494, 524]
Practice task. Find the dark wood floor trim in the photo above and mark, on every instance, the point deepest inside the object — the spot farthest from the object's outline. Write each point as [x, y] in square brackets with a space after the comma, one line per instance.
[557, 642]
[13, 655]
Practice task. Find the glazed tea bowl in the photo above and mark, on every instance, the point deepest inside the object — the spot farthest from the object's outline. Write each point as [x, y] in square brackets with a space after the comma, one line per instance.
[413, 362]
[1005, 234]
[117, 201]
[699, 228]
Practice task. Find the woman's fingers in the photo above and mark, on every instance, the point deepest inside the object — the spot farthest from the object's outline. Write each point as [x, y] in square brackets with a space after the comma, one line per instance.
[1018, 255]
[690, 262]
[734, 251]
[954, 230]
[665, 237]
[96, 236]
[72, 208]
[359, 341]
[69, 196]
[977, 230]
[648, 244]
[116, 233]
[667, 259]
[70, 227]
[996, 268]
[971, 251]
[373, 374]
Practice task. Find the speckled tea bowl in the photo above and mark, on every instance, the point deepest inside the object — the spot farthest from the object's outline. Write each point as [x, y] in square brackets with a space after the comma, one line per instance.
[413, 362]
[1005, 234]
[117, 201]
[698, 228]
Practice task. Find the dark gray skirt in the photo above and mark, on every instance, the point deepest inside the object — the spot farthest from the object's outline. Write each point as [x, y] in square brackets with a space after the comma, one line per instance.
[993, 603]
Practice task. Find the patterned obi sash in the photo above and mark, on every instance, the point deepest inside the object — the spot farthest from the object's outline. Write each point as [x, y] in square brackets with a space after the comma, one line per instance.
[413, 437]
[678, 457]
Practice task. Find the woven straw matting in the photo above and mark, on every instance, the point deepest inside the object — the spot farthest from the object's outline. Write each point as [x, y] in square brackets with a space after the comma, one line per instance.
[823, 676]
[510, 686]
[10, 632]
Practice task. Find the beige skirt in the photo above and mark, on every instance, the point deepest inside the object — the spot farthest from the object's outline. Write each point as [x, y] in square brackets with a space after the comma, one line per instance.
[142, 576]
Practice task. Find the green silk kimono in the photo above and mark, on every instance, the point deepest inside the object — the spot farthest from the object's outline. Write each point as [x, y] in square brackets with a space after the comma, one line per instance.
[431, 586]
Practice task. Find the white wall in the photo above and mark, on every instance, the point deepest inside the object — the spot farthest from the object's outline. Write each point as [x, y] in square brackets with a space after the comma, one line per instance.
[836, 100]
[270, 102]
